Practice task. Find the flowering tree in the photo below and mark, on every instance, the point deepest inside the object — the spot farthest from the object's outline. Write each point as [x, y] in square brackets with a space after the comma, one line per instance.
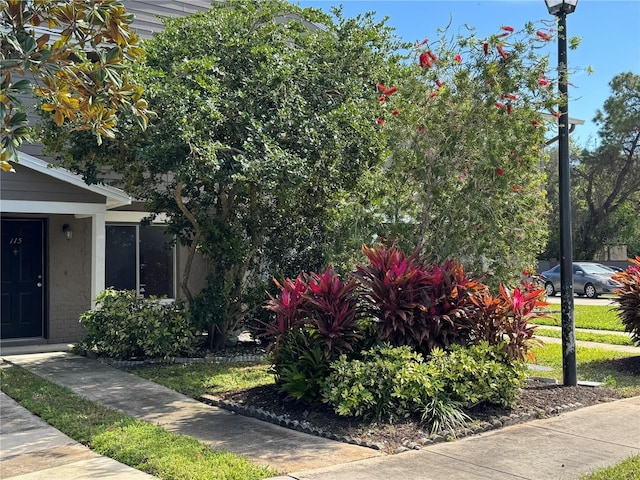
[69, 53]
[467, 134]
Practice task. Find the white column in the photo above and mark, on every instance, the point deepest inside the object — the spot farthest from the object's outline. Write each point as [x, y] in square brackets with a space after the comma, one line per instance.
[98, 241]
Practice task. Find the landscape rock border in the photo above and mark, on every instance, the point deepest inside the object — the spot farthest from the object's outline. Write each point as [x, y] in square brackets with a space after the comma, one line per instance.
[446, 435]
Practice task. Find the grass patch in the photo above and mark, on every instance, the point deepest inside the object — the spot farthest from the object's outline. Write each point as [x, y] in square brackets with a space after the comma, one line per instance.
[596, 317]
[139, 444]
[628, 469]
[213, 378]
[610, 338]
[615, 369]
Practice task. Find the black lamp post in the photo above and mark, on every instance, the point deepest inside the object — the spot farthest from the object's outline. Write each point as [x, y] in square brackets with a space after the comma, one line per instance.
[561, 8]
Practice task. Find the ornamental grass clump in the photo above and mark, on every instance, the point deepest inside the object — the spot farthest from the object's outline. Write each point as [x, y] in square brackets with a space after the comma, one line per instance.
[628, 308]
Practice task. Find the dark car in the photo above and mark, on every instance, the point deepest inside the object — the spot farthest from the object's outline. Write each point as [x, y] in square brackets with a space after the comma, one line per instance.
[589, 279]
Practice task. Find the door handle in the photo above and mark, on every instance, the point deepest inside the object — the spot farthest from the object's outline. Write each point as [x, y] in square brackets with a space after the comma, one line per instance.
[39, 284]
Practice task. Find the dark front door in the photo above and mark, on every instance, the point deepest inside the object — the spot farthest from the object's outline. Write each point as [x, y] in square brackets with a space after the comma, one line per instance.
[22, 293]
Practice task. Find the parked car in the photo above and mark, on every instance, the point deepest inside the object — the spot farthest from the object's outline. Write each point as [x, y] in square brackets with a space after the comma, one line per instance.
[615, 268]
[589, 279]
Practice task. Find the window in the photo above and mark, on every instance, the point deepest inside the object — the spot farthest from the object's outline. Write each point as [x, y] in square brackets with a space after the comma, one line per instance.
[140, 258]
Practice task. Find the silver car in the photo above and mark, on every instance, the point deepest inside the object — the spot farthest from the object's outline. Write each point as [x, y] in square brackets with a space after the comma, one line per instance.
[589, 279]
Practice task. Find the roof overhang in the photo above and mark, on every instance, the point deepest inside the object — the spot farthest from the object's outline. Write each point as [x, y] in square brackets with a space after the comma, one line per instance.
[114, 197]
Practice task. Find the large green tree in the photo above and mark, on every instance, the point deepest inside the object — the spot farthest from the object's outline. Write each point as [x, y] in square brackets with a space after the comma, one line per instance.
[71, 54]
[605, 181]
[265, 114]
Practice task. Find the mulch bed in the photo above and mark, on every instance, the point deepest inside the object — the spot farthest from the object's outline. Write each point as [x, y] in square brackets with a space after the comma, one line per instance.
[540, 398]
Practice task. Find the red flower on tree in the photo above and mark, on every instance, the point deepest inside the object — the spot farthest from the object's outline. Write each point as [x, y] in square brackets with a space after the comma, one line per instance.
[458, 58]
[516, 188]
[499, 171]
[509, 109]
[432, 55]
[502, 53]
[543, 82]
[439, 83]
[485, 47]
[395, 112]
[390, 91]
[507, 28]
[381, 87]
[379, 121]
[499, 105]
[543, 36]
[425, 61]
[382, 98]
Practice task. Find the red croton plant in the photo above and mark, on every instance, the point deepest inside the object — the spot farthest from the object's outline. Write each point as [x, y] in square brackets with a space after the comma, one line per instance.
[412, 303]
[629, 298]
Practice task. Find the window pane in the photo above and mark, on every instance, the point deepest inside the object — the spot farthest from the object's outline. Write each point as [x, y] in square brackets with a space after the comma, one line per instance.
[120, 269]
[156, 262]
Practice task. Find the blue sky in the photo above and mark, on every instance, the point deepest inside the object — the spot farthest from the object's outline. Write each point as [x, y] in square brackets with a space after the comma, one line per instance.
[610, 32]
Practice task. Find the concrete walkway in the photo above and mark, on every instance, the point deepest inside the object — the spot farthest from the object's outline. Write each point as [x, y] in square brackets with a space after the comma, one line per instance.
[34, 450]
[561, 447]
[284, 449]
[605, 346]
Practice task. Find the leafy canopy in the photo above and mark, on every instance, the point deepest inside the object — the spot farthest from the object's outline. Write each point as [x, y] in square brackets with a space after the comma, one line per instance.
[72, 55]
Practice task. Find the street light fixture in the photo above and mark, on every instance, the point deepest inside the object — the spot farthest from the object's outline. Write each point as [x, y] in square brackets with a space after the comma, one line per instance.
[561, 8]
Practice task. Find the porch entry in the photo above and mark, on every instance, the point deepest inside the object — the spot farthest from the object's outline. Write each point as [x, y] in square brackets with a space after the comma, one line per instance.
[22, 290]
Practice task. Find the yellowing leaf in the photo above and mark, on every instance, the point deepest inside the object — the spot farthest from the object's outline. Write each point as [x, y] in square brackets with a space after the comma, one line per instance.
[58, 118]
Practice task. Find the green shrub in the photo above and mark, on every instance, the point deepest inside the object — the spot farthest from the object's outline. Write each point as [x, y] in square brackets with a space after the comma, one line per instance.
[300, 366]
[480, 373]
[124, 326]
[395, 382]
[386, 383]
[629, 298]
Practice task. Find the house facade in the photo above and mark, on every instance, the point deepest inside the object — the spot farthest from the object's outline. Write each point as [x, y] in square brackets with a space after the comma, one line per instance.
[64, 241]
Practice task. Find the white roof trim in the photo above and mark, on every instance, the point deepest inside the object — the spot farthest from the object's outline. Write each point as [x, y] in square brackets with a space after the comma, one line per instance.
[114, 196]
[62, 208]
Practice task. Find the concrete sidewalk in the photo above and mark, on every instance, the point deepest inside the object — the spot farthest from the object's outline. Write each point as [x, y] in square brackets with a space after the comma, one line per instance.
[561, 447]
[284, 449]
[34, 450]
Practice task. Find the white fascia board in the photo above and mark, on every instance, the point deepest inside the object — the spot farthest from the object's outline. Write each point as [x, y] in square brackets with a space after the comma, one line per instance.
[114, 196]
[71, 208]
[116, 216]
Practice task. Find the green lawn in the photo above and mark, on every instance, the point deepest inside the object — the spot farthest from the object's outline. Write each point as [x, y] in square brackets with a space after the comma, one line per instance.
[139, 444]
[610, 338]
[614, 369]
[597, 317]
[214, 378]
[628, 469]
